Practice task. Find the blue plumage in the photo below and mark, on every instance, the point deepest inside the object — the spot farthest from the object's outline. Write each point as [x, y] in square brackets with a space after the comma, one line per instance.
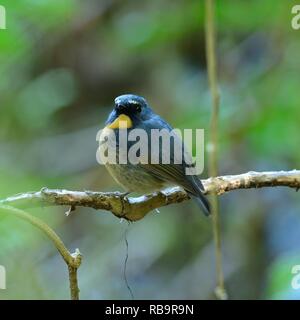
[151, 177]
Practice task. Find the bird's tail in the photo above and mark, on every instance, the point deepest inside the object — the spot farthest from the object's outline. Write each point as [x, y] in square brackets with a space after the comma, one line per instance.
[202, 202]
[198, 195]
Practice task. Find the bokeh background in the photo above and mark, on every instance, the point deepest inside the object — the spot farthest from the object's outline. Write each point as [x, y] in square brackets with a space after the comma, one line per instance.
[62, 63]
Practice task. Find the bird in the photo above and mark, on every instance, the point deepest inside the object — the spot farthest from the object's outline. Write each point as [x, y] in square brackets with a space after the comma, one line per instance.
[134, 112]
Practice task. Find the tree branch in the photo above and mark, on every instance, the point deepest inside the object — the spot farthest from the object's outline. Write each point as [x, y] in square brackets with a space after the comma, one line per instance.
[73, 260]
[134, 209]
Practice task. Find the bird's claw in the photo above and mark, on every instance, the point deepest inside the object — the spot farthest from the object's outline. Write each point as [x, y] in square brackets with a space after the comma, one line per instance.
[123, 195]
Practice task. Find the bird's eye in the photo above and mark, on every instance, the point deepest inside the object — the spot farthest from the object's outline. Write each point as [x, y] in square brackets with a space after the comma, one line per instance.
[138, 108]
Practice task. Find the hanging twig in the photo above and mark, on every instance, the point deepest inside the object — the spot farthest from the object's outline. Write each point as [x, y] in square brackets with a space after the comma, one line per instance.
[213, 145]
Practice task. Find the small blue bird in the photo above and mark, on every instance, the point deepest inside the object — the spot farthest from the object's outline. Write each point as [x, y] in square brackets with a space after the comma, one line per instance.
[135, 113]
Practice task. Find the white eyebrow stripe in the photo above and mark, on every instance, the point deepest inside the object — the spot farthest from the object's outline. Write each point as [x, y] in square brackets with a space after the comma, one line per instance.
[133, 102]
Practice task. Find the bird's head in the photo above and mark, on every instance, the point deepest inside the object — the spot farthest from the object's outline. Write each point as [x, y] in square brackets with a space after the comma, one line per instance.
[129, 110]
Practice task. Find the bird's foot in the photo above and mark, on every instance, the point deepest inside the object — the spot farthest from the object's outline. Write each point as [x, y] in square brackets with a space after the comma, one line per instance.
[123, 195]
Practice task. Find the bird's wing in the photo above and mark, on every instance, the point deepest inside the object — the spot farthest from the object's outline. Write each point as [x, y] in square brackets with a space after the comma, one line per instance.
[173, 172]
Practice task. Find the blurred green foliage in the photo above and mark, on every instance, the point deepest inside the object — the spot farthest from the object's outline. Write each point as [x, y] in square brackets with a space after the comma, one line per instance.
[62, 62]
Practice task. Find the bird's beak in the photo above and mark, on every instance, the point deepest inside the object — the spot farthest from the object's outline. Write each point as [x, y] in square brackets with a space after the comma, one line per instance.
[122, 122]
